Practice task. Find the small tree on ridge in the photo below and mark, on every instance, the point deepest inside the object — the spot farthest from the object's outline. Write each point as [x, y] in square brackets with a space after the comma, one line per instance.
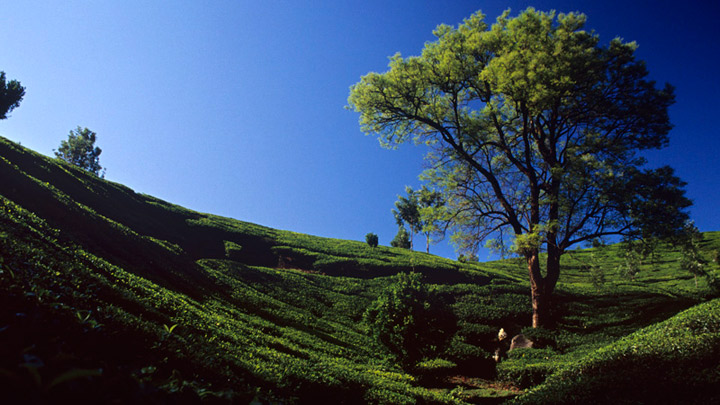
[80, 150]
[371, 239]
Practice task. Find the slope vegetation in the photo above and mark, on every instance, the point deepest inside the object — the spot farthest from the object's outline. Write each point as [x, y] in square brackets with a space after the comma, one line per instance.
[110, 295]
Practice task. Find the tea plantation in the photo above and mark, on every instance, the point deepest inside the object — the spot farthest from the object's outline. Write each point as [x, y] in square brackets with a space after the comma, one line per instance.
[108, 295]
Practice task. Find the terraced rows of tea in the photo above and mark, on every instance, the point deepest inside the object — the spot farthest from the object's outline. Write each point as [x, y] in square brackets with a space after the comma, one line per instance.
[110, 295]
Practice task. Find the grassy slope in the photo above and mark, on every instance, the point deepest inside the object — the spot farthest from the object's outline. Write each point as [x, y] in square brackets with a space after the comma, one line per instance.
[674, 361]
[109, 294]
[96, 275]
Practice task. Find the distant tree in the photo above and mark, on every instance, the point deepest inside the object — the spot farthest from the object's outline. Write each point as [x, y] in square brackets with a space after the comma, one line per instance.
[402, 239]
[371, 239]
[423, 212]
[692, 259]
[597, 243]
[631, 257]
[80, 150]
[597, 274]
[410, 319]
[535, 131]
[11, 94]
[433, 215]
[407, 212]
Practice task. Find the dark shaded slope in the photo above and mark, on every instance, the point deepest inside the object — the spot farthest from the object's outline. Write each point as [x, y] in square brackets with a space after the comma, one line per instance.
[143, 214]
[162, 240]
[155, 239]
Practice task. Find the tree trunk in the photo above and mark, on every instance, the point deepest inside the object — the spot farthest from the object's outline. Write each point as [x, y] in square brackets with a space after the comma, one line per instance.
[537, 289]
[553, 267]
[541, 287]
[541, 308]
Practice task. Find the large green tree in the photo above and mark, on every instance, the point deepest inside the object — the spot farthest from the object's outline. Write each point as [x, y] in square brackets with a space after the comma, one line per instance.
[536, 131]
[11, 94]
[80, 150]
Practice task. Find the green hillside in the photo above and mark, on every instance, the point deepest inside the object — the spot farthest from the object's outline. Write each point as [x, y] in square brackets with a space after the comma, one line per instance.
[109, 295]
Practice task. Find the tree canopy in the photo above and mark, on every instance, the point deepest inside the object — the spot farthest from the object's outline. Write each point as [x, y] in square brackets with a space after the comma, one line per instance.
[80, 150]
[535, 132]
[11, 94]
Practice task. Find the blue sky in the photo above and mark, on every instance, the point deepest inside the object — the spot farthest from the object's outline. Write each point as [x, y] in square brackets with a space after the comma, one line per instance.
[236, 108]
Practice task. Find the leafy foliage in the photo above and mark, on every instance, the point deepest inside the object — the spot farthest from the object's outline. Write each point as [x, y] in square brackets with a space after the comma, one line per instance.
[409, 320]
[534, 129]
[11, 94]
[401, 239]
[407, 211]
[80, 150]
[630, 266]
[470, 257]
[372, 240]
[422, 211]
[692, 260]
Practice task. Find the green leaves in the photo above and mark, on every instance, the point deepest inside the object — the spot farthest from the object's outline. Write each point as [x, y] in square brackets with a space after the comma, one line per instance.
[409, 320]
[72, 375]
[671, 361]
[402, 239]
[423, 211]
[80, 150]
[371, 239]
[529, 121]
[169, 329]
[533, 127]
[11, 94]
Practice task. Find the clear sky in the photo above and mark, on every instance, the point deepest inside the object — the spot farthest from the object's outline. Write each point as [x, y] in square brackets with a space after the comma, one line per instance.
[236, 108]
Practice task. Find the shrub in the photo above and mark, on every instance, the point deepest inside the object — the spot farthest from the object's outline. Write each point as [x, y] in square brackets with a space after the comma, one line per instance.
[410, 320]
[371, 239]
[630, 266]
[713, 281]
